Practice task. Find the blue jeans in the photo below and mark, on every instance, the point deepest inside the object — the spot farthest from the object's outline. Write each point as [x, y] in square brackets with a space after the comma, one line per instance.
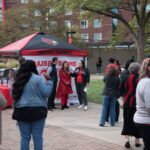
[34, 128]
[106, 101]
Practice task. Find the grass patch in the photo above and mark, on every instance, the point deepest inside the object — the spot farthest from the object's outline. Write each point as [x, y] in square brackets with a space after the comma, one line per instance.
[95, 91]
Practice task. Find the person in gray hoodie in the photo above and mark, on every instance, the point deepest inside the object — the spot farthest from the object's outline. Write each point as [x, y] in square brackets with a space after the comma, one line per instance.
[142, 115]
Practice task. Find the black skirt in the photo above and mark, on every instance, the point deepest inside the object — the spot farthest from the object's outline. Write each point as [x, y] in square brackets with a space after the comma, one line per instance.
[129, 127]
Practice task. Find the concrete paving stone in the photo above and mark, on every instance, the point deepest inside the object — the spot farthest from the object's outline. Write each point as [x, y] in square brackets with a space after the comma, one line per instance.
[71, 129]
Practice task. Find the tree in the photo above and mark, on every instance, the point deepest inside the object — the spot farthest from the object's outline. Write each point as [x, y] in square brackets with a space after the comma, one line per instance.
[31, 18]
[138, 9]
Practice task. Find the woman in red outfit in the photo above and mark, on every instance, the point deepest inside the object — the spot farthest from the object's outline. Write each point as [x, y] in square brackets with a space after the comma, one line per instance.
[64, 87]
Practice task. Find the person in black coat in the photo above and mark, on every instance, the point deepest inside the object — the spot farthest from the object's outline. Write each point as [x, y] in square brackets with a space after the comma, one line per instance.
[52, 72]
[82, 79]
[98, 65]
[110, 95]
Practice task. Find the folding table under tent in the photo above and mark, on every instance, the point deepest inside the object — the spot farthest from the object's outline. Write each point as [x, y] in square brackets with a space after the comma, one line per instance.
[41, 48]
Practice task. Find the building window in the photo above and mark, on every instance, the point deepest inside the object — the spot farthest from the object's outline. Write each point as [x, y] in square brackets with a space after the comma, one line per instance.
[1, 17]
[97, 23]
[52, 12]
[114, 25]
[85, 37]
[68, 12]
[83, 12]
[37, 13]
[67, 24]
[84, 24]
[37, 1]
[53, 24]
[24, 13]
[148, 8]
[97, 37]
[24, 1]
[25, 25]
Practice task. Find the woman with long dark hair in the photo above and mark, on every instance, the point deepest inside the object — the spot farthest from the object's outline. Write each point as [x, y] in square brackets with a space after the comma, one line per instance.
[82, 79]
[30, 93]
[142, 115]
[64, 87]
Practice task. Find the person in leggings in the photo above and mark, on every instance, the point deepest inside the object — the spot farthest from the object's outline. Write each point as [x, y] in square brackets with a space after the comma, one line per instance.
[82, 79]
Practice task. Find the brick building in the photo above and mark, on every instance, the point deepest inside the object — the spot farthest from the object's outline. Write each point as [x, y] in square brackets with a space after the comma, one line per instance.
[93, 30]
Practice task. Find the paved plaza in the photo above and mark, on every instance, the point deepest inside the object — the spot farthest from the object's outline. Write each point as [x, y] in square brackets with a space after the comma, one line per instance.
[71, 129]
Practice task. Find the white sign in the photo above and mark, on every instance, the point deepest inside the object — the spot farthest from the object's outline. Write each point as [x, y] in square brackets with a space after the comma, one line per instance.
[43, 62]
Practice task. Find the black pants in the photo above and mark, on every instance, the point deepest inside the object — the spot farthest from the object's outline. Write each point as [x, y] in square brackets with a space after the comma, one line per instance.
[51, 99]
[145, 134]
[82, 96]
[117, 112]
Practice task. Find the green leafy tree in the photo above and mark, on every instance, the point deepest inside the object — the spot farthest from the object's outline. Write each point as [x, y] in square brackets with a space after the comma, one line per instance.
[138, 9]
[30, 18]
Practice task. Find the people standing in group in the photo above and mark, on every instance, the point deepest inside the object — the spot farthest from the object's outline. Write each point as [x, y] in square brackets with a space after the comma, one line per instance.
[30, 93]
[82, 79]
[99, 65]
[129, 105]
[52, 72]
[142, 115]
[110, 95]
[64, 87]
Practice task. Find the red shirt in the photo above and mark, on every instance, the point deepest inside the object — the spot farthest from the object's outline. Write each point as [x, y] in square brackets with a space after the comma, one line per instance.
[79, 77]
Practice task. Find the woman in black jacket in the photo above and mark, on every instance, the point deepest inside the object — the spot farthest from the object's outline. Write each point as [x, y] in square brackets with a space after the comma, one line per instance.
[82, 79]
[110, 95]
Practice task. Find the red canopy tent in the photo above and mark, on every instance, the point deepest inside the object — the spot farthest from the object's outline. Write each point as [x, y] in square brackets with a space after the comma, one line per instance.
[41, 47]
[41, 44]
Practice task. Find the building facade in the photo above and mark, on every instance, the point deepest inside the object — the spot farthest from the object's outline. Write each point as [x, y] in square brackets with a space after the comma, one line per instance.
[96, 30]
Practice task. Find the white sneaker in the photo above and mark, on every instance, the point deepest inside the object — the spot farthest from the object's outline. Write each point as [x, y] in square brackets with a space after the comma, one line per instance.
[85, 108]
[80, 106]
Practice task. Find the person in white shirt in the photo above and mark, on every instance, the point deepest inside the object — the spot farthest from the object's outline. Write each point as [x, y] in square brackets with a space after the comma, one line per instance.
[142, 115]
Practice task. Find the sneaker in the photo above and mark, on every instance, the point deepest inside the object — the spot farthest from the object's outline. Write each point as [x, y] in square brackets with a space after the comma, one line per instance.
[80, 106]
[62, 107]
[50, 109]
[127, 144]
[137, 145]
[101, 125]
[66, 106]
[85, 108]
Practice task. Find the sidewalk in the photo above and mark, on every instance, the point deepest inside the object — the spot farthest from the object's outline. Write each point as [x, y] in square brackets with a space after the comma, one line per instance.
[71, 129]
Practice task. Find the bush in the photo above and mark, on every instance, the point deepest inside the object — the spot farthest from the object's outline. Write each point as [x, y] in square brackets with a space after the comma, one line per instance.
[2, 65]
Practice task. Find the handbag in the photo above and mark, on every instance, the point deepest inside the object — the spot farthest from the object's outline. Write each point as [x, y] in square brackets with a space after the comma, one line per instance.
[29, 113]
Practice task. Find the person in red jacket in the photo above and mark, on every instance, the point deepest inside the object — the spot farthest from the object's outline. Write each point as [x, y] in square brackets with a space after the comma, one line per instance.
[64, 87]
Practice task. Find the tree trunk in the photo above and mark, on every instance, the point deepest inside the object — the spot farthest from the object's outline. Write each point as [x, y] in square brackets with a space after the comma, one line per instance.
[140, 44]
[140, 51]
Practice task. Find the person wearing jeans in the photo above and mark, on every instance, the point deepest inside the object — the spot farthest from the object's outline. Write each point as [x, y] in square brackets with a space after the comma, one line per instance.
[107, 100]
[110, 95]
[30, 93]
[36, 129]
